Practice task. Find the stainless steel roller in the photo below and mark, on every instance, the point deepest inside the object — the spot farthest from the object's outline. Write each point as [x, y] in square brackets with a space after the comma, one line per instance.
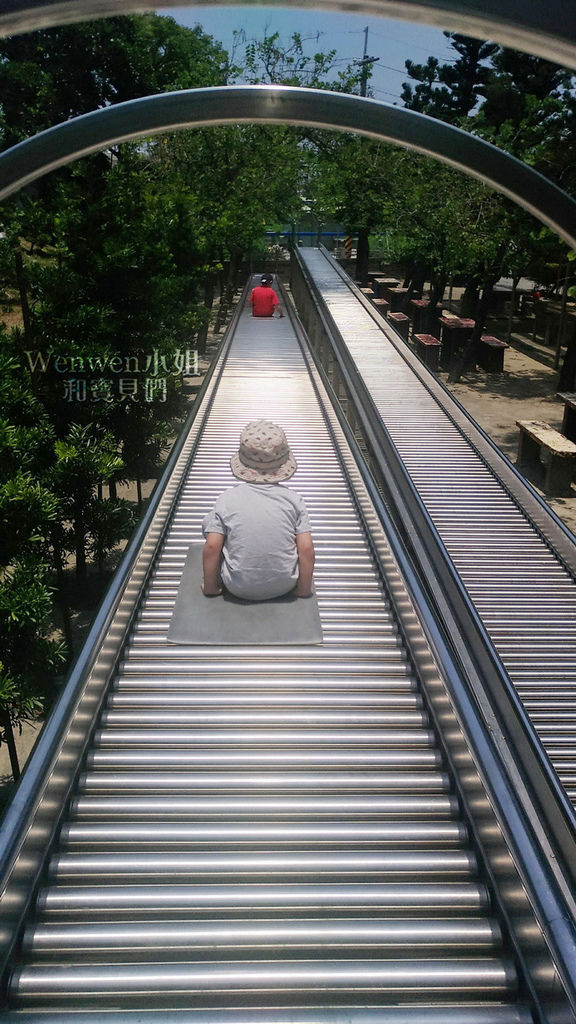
[267, 827]
[524, 594]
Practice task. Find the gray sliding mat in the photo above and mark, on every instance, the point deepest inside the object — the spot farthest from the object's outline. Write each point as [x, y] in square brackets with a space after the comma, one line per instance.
[226, 620]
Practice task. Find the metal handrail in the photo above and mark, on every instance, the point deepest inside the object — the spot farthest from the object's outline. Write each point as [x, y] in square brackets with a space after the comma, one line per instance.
[40, 799]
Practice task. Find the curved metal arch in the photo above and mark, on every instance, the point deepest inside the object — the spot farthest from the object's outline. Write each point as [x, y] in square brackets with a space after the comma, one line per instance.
[267, 104]
[546, 28]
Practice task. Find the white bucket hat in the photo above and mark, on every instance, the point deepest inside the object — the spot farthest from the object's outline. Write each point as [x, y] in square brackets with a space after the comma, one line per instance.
[264, 456]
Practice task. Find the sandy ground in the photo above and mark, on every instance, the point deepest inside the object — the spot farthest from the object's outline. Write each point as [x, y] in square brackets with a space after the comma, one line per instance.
[525, 390]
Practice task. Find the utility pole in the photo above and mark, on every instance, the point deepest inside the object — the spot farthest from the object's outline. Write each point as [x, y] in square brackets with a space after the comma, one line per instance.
[365, 62]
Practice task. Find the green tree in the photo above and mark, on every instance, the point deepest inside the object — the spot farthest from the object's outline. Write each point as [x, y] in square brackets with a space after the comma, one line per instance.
[30, 656]
[84, 458]
[29, 512]
[524, 105]
[233, 182]
[50, 76]
[450, 91]
[275, 61]
[351, 180]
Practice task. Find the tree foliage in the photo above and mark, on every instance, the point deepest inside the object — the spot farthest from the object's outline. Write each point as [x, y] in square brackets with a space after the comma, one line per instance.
[273, 61]
[50, 76]
[98, 256]
[450, 91]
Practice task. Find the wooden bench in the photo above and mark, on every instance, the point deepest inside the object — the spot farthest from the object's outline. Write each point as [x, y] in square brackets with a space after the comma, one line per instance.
[558, 454]
[454, 335]
[401, 322]
[380, 283]
[428, 349]
[491, 354]
[381, 305]
[397, 299]
[418, 311]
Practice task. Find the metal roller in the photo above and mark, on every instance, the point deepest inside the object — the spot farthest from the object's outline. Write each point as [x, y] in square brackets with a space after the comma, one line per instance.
[523, 591]
[275, 826]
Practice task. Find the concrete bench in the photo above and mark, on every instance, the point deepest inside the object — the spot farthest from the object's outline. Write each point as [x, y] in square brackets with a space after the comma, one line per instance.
[428, 349]
[558, 454]
[380, 284]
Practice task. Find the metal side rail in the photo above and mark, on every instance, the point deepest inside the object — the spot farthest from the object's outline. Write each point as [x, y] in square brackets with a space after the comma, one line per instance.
[285, 834]
[514, 557]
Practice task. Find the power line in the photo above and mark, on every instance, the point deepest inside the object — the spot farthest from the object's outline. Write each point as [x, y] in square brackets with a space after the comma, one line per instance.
[381, 67]
[414, 46]
[386, 92]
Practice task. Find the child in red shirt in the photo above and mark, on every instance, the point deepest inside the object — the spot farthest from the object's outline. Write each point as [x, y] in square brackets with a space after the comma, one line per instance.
[264, 299]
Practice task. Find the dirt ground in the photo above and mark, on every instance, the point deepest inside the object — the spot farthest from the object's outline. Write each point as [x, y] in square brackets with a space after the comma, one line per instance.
[526, 389]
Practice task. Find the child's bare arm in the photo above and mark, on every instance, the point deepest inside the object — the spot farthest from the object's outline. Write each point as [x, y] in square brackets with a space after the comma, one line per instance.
[306, 556]
[211, 564]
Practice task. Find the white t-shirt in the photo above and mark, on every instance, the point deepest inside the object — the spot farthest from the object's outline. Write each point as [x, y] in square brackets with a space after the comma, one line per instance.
[260, 523]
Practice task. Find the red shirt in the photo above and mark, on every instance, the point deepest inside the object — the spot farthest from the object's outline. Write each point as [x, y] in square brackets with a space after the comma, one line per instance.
[264, 300]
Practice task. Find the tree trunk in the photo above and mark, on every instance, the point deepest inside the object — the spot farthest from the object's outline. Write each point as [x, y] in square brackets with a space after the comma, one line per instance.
[415, 280]
[562, 324]
[208, 302]
[567, 379]
[8, 737]
[363, 255]
[437, 289]
[80, 544]
[23, 293]
[228, 295]
[470, 299]
[515, 281]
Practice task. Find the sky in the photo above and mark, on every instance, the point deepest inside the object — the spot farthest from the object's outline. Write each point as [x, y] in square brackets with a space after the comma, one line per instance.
[393, 42]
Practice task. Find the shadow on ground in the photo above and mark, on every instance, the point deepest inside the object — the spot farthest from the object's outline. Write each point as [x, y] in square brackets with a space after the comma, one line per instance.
[520, 384]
